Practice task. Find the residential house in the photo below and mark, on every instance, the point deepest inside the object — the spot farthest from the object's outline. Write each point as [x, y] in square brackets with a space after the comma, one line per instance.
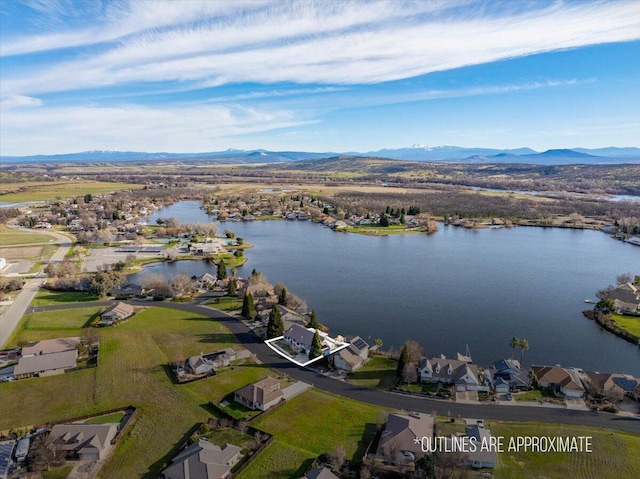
[46, 364]
[203, 460]
[260, 395]
[6, 458]
[289, 316]
[397, 443]
[49, 346]
[118, 312]
[449, 371]
[559, 380]
[197, 365]
[128, 290]
[320, 473]
[481, 458]
[207, 280]
[508, 375]
[84, 441]
[207, 363]
[626, 299]
[352, 358]
[300, 337]
[606, 384]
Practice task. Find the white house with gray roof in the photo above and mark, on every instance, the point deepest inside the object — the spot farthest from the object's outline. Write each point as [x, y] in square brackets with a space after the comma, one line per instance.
[449, 371]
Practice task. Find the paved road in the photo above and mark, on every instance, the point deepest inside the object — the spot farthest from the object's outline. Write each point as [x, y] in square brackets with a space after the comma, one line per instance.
[11, 317]
[392, 400]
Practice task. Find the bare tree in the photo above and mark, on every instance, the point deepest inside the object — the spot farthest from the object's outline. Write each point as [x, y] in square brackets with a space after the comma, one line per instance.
[46, 452]
[415, 351]
[242, 425]
[365, 472]
[152, 280]
[623, 278]
[336, 458]
[410, 373]
[182, 284]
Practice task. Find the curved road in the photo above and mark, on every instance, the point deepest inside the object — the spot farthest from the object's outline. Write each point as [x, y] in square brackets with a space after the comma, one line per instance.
[387, 399]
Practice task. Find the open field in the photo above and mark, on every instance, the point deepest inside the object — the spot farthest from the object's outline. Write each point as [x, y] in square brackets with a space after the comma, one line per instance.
[47, 298]
[51, 325]
[10, 236]
[21, 252]
[133, 370]
[280, 460]
[377, 373]
[51, 190]
[115, 417]
[615, 455]
[343, 422]
[628, 323]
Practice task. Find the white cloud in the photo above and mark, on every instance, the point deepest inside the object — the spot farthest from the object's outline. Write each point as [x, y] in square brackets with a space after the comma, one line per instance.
[19, 101]
[189, 128]
[214, 43]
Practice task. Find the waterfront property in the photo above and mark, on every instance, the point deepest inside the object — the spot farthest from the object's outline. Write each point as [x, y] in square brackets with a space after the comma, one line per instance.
[506, 376]
[203, 460]
[459, 372]
[351, 358]
[560, 380]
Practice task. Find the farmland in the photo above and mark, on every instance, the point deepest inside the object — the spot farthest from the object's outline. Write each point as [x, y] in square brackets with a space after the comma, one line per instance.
[51, 190]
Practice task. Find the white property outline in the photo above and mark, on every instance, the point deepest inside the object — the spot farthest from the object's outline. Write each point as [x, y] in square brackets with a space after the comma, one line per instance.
[289, 358]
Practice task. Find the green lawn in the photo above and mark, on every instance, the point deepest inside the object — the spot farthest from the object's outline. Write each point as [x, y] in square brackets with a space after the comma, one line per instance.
[57, 473]
[615, 455]
[10, 236]
[628, 323]
[225, 303]
[280, 460]
[115, 417]
[534, 395]
[47, 298]
[52, 324]
[322, 422]
[377, 373]
[133, 371]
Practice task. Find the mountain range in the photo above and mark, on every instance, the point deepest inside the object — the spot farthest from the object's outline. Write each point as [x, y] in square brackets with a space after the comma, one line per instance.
[446, 153]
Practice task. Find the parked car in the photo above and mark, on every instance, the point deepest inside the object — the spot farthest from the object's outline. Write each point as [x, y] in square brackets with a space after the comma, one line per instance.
[509, 397]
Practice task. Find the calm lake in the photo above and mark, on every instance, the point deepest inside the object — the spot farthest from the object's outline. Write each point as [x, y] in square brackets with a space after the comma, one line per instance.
[452, 289]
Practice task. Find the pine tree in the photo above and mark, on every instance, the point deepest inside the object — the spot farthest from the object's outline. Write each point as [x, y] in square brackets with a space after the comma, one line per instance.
[233, 287]
[313, 320]
[222, 270]
[402, 361]
[384, 220]
[248, 308]
[402, 220]
[282, 297]
[316, 346]
[275, 326]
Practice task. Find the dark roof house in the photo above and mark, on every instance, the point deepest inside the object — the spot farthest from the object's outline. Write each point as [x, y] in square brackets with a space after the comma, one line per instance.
[203, 460]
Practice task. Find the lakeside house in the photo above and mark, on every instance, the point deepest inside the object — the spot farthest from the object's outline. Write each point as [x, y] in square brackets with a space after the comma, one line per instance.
[260, 395]
[351, 358]
[610, 384]
[506, 376]
[300, 337]
[203, 460]
[87, 442]
[460, 372]
[397, 443]
[626, 299]
[559, 380]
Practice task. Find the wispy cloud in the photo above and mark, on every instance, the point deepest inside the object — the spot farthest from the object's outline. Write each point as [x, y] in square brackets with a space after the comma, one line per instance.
[19, 101]
[216, 43]
[168, 128]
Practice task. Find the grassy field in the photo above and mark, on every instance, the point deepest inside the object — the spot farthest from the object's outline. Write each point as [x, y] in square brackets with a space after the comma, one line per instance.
[10, 236]
[51, 325]
[57, 473]
[51, 190]
[376, 230]
[377, 373]
[343, 422]
[115, 417]
[615, 455]
[133, 371]
[628, 323]
[47, 298]
[535, 395]
[289, 461]
[225, 303]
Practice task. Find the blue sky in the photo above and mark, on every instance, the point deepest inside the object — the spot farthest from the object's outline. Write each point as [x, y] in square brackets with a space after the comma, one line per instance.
[192, 76]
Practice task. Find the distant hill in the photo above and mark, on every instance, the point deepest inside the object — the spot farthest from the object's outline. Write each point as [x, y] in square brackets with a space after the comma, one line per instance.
[610, 155]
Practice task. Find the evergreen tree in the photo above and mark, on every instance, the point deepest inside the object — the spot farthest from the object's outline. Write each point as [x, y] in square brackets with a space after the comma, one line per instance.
[248, 308]
[402, 220]
[313, 321]
[402, 361]
[282, 297]
[275, 326]
[316, 346]
[222, 270]
[384, 220]
[388, 210]
[233, 287]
